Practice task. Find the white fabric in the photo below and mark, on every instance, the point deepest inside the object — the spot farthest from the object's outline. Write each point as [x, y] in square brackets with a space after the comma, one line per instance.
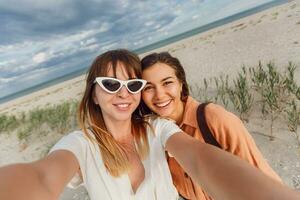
[157, 184]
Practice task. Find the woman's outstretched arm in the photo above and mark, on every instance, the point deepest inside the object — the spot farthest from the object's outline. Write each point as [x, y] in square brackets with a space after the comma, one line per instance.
[43, 179]
[222, 175]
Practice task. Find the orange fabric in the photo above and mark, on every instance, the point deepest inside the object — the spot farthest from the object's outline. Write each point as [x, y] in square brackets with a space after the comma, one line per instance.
[231, 134]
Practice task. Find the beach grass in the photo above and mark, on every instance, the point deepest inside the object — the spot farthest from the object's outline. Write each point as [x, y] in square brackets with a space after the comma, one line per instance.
[60, 118]
[276, 94]
[293, 118]
[7, 123]
[240, 94]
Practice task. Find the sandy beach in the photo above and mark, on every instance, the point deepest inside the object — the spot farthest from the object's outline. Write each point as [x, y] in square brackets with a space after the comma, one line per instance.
[270, 35]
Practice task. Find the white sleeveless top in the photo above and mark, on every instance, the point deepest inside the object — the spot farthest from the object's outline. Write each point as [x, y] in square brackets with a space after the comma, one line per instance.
[157, 184]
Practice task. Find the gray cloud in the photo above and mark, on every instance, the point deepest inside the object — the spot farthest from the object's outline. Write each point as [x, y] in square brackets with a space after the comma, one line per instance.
[44, 39]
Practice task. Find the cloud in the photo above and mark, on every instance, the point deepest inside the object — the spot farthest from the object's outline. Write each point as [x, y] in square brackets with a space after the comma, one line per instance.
[43, 39]
[6, 80]
[39, 58]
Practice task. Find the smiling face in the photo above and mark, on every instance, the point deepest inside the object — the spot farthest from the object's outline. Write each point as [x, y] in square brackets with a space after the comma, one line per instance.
[120, 105]
[162, 93]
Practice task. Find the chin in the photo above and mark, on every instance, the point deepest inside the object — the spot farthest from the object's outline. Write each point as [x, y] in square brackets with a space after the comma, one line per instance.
[122, 116]
[164, 114]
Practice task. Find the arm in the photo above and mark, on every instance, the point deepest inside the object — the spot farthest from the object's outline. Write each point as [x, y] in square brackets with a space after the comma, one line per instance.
[231, 133]
[223, 175]
[44, 179]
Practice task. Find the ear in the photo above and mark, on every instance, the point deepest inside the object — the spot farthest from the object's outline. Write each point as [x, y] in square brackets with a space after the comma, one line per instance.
[181, 86]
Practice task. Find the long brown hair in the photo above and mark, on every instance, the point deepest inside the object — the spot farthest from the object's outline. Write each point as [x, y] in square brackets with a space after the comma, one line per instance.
[90, 114]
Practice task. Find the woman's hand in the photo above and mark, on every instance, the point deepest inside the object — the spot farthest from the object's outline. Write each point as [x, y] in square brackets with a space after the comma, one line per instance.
[222, 175]
[44, 179]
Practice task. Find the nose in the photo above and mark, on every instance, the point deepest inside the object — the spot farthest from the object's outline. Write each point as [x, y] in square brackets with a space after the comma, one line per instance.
[123, 92]
[159, 93]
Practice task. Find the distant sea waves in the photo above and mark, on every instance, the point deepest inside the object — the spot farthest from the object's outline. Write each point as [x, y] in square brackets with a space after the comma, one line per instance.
[43, 85]
[151, 47]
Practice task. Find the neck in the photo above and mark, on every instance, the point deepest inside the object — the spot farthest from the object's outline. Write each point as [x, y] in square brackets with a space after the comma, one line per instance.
[179, 115]
[120, 130]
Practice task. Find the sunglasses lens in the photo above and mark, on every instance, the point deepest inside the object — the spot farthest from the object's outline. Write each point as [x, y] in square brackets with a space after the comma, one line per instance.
[135, 86]
[111, 85]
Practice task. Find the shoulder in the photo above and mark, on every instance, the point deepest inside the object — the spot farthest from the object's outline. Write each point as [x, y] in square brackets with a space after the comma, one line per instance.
[163, 128]
[160, 122]
[228, 129]
[214, 109]
[75, 142]
[217, 113]
[78, 136]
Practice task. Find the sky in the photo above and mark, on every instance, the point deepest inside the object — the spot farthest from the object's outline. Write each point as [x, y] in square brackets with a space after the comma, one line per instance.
[43, 40]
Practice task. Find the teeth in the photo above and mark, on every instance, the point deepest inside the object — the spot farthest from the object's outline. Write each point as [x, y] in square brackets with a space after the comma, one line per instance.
[163, 104]
[123, 105]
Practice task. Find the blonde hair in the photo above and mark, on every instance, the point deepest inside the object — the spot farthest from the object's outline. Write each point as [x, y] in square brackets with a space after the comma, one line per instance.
[90, 116]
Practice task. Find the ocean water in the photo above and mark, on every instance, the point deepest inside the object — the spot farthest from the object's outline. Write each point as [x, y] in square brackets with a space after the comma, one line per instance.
[209, 26]
[150, 47]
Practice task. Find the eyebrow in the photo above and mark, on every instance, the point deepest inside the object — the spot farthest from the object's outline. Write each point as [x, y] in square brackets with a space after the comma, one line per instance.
[129, 78]
[164, 79]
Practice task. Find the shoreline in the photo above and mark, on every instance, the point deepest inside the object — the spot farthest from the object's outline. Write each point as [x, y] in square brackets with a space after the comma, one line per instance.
[152, 47]
[270, 35]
